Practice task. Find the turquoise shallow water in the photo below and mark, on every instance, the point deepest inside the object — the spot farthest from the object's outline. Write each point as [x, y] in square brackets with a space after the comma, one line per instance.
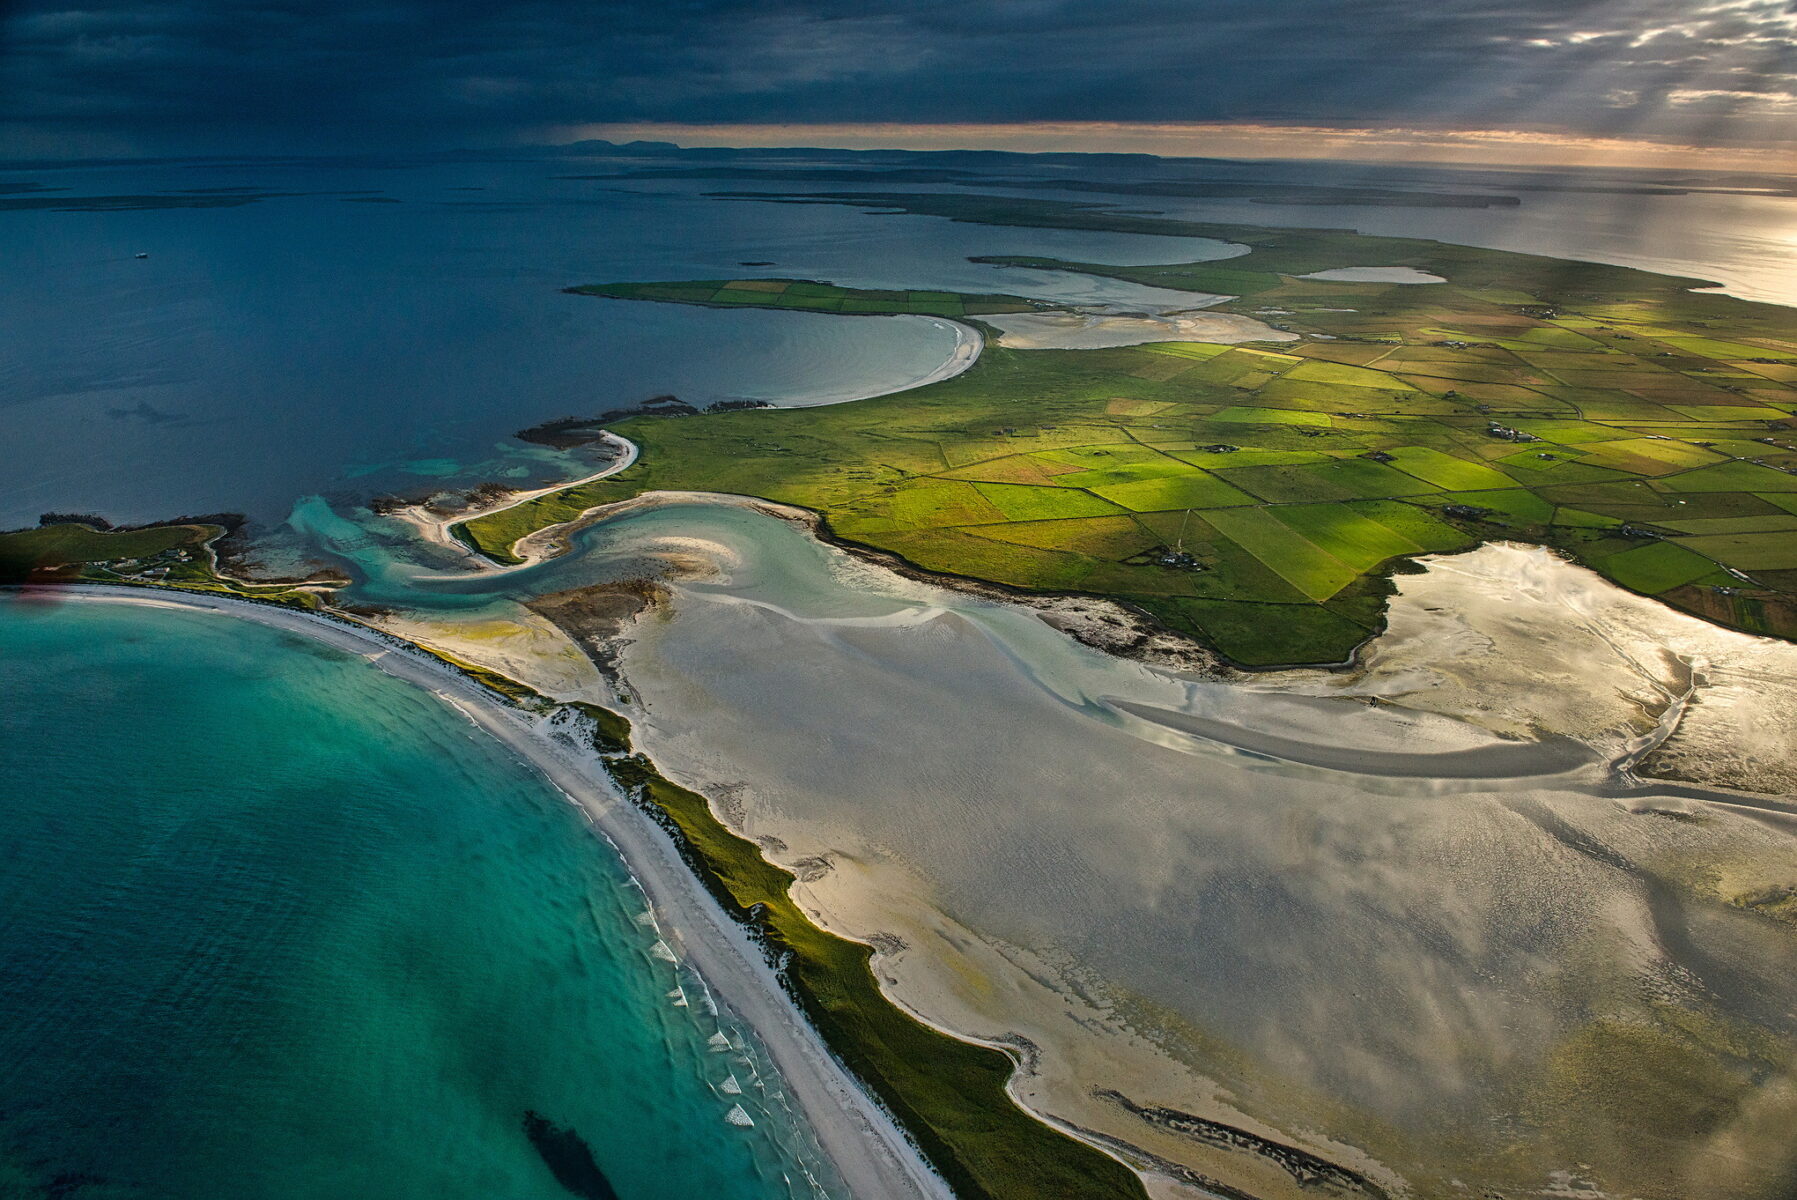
[277, 925]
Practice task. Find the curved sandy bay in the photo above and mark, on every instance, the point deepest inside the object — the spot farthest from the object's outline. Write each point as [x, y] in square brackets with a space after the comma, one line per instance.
[873, 1157]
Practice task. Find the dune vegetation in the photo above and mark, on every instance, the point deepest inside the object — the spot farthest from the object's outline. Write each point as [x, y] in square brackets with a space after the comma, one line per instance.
[948, 1094]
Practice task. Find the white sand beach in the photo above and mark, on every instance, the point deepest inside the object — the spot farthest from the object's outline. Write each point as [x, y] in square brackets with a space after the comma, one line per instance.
[872, 1155]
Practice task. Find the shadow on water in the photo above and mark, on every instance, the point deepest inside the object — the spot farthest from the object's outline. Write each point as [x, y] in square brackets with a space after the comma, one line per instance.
[568, 1158]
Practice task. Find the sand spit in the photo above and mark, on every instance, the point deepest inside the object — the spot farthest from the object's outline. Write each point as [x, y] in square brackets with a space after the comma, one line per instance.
[1502, 760]
[439, 530]
[869, 1151]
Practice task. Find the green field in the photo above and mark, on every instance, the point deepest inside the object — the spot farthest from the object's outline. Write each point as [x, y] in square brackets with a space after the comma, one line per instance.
[1303, 563]
[159, 555]
[1169, 492]
[1068, 469]
[40, 551]
[1656, 567]
[1349, 536]
[1445, 469]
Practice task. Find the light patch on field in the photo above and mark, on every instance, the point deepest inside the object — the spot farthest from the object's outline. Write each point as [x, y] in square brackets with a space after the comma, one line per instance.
[1446, 471]
[1343, 533]
[1732, 477]
[1248, 414]
[1193, 490]
[1042, 503]
[1767, 524]
[1296, 559]
[1716, 348]
[942, 504]
[1102, 537]
[1340, 373]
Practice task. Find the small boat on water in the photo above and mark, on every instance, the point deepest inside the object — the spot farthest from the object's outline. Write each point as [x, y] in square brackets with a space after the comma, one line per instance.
[141, 254]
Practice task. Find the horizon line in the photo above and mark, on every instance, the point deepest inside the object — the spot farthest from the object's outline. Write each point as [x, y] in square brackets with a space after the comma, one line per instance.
[1370, 144]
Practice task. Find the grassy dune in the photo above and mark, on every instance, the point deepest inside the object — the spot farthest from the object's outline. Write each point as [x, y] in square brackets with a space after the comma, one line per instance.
[1651, 436]
[948, 1094]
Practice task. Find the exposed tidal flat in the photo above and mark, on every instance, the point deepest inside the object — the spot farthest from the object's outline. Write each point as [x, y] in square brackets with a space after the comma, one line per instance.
[1381, 968]
[280, 924]
[1450, 934]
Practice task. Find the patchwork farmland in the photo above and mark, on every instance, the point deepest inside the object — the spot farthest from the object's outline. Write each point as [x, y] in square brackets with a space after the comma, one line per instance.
[1258, 497]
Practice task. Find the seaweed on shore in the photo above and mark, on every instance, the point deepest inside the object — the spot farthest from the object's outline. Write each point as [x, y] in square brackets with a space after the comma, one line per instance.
[1309, 1171]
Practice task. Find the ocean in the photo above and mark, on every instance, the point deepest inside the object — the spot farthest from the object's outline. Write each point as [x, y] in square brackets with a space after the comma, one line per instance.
[279, 925]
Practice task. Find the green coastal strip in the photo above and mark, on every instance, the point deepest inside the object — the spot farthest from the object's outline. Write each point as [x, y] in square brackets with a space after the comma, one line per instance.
[1259, 497]
[949, 1095]
[51, 547]
[169, 555]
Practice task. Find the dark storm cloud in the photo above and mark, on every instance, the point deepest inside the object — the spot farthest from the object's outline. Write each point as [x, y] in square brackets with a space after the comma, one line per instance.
[192, 71]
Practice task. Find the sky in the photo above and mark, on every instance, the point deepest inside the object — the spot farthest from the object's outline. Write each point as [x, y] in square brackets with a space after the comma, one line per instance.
[1657, 80]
